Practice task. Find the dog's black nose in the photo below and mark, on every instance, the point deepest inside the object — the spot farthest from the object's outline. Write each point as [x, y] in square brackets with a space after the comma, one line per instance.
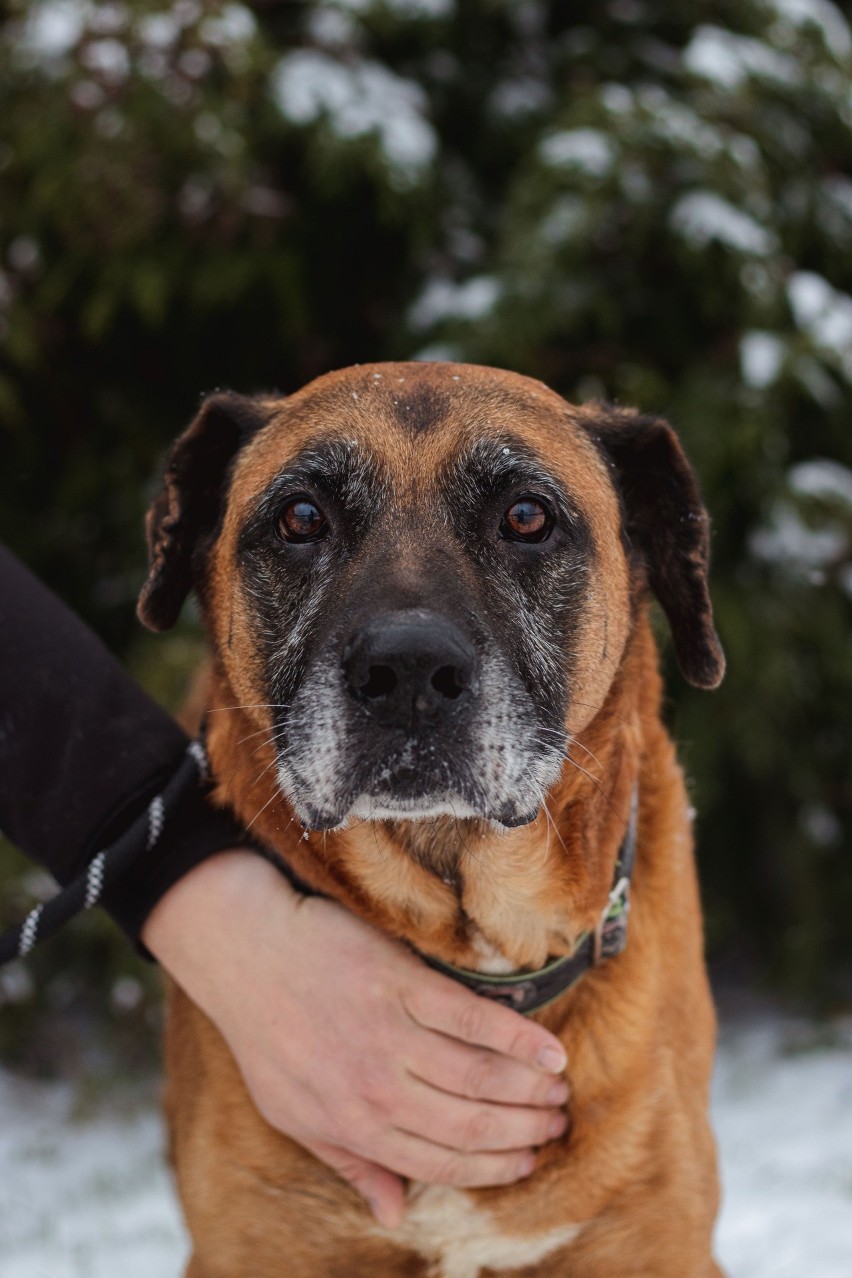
[409, 667]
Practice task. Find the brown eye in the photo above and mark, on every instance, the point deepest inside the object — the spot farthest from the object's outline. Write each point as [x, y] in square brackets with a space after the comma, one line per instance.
[302, 520]
[527, 519]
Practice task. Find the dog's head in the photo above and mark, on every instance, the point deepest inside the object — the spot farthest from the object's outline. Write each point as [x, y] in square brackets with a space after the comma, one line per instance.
[421, 577]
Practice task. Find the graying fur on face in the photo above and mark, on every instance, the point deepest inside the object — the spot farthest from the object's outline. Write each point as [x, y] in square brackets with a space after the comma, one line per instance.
[501, 773]
[517, 605]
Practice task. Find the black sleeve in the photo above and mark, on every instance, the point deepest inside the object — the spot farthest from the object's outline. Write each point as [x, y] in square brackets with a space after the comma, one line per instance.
[83, 750]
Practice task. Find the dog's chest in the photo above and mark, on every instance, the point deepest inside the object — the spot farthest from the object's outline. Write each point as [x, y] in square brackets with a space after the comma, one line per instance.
[459, 1239]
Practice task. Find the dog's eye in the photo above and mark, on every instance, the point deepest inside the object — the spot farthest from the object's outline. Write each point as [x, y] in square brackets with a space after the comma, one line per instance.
[527, 519]
[302, 520]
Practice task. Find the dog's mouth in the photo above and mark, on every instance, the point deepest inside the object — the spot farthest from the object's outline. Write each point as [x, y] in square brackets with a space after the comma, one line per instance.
[404, 792]
[391, 807]
[395, 807]
[388, 807]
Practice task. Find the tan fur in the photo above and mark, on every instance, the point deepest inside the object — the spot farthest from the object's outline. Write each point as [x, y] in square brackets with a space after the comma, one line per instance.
[631, 1191]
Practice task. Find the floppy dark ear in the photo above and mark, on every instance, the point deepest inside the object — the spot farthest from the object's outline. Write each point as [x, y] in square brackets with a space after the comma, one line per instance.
[186, 512]
[667, 523]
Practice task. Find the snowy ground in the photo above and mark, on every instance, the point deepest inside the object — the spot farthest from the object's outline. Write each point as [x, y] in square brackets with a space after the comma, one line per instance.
[87, 1197]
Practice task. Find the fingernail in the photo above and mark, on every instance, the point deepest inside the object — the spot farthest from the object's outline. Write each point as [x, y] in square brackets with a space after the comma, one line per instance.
[556, 1126]
[527, 1165]
[553, 1059]
[557, 1094]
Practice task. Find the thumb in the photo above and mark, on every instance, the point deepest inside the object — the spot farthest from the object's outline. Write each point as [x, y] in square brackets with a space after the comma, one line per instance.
[383, 1191]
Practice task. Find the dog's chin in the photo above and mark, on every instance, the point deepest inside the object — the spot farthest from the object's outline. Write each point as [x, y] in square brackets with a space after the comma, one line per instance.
[388, 807]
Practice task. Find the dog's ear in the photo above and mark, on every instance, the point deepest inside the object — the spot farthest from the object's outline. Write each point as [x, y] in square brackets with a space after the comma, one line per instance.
[667, 523]
[185, 514]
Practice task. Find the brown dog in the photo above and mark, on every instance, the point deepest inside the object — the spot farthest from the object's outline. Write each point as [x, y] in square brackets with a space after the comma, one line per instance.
[428, 583]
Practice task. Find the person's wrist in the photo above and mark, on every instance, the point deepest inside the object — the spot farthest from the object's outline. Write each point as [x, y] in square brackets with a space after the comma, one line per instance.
[204, 901]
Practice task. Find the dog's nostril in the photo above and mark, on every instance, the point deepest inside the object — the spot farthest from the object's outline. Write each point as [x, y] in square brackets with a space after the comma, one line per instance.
[408, 668]
[381, 682]
[446, 681]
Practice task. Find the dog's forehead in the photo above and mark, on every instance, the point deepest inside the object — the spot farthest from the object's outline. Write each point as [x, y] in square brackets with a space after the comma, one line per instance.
[412, 420]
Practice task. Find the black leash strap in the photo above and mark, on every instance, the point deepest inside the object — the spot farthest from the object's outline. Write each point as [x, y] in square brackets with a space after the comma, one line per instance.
[88, 888]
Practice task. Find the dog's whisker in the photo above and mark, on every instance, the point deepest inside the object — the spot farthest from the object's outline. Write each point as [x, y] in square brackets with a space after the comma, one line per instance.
[261, 705]
[565, 739]
[553, 823]
[276, 792]
[467, 851]
[381, 851]
[590, 753]
[563, 752]
[271, 740]
[568, 743]
[276, 732]
[260, 811]
[229, 783]
[606, 797]
[548, 824]
[605, 714]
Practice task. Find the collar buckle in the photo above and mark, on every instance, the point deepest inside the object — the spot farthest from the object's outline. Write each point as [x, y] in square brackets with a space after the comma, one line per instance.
[611, 931]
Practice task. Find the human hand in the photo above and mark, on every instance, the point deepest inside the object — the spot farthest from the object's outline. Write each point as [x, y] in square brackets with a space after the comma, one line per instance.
[350, 1044]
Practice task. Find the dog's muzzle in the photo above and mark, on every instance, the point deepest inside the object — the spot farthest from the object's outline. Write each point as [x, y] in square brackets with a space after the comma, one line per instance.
[407, 715]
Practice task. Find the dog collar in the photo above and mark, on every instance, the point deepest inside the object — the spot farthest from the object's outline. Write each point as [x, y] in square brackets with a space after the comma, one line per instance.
[529, 991]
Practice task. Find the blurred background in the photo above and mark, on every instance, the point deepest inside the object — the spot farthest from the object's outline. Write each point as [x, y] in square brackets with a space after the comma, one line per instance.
[641, 200]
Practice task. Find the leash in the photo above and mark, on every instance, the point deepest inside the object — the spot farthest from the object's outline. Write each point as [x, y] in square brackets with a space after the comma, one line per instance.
[83, 892]
[527, 992]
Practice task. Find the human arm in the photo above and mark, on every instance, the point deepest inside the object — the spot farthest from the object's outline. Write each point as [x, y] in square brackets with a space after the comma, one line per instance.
[82, 751]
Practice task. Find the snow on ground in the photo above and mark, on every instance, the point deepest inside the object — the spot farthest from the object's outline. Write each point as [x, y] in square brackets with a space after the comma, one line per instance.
[86, 1197]
[83, 1198]
[783, 1120]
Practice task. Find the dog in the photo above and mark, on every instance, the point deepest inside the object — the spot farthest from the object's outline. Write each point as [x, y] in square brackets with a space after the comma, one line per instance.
[428, 586]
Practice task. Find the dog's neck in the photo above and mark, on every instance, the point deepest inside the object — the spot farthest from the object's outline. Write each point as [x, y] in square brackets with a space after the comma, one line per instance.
[461, 890]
